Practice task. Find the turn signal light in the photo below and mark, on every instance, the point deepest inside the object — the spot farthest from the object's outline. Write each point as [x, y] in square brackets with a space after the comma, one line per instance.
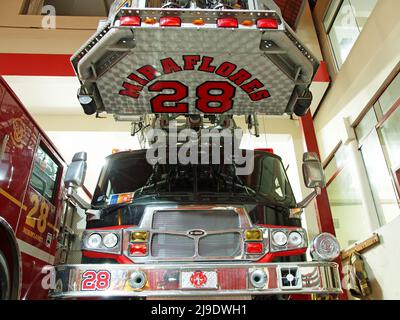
[150, 21]
[198, 22]
[253, 235]
[227, 23]
[170, 22]
[130, 21]
[247, 23]
[139, 236]
[138, 249]
[267, 23]
[255, 247]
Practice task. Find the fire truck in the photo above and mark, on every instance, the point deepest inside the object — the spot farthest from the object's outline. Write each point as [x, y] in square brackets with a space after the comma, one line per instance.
[200, 228]
[31, 201]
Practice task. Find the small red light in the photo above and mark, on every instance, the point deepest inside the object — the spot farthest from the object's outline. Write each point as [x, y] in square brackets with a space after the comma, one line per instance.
[170, 22]
[130, 21]
[227, 23]
[254, 247]
[267, 23]
[138, 249]
[269, 150]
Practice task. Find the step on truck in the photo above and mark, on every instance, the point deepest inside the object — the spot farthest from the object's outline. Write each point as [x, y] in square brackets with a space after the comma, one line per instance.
[184, 71]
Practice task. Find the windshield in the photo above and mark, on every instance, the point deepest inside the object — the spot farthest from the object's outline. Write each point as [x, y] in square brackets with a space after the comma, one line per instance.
[130, 172]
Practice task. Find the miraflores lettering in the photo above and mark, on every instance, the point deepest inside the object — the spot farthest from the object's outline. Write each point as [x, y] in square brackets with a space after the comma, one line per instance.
[242, 78]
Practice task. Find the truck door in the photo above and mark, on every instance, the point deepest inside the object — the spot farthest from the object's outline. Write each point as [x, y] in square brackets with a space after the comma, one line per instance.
[18, 138]
[38, 226]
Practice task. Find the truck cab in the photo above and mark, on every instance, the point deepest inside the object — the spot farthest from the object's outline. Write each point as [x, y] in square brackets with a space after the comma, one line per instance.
[175, 230]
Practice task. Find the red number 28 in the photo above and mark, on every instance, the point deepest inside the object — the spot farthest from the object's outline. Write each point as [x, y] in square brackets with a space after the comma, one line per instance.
[212, 97]
[92, 280]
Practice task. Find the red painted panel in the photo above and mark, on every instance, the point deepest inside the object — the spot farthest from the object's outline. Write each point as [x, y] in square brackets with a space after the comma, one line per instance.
[322, 74]
[22, 64]
[32, 277]
[17, 160]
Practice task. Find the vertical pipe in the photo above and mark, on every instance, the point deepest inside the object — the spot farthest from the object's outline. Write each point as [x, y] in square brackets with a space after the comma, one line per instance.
[322, 206]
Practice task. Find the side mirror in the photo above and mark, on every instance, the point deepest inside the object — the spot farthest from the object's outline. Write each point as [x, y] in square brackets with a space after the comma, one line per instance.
[314, 178]
[313, 172]
[76, 172]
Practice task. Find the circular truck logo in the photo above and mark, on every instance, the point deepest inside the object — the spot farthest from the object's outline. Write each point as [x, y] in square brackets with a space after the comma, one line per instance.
[198, 279]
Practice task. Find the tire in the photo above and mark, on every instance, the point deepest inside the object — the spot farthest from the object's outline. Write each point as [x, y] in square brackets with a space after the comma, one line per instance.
[5, 288]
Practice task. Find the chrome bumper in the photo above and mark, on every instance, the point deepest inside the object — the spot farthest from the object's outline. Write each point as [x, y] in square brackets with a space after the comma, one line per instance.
[166, 280]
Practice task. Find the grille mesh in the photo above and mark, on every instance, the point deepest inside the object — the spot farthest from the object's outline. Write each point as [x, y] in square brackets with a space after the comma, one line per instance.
[188, 220]
[224, 244]
[168, 246]
[220, 245]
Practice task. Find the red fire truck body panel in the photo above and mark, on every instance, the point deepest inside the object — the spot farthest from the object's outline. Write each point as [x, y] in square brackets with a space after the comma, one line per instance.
[30, 197]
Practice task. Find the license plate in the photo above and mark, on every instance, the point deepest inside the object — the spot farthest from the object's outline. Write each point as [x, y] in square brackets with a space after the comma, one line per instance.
[199, 280]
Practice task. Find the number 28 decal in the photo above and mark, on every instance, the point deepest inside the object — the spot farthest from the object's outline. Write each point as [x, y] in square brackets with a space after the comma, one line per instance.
[34, 221]
[212, 97]
[96, 280]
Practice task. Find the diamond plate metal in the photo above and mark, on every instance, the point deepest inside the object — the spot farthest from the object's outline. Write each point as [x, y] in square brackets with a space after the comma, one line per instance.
[240, 47]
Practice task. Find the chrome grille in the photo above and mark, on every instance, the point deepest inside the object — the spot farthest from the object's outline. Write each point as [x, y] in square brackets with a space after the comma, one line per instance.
[220, 245]
[210, 220]
[172, 239]
[168, 245]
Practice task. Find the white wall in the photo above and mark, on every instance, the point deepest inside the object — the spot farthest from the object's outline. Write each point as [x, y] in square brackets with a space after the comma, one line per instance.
[98, 145]
[372, 61]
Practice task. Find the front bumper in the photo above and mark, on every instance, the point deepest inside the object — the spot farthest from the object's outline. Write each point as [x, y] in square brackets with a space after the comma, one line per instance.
[171, 280]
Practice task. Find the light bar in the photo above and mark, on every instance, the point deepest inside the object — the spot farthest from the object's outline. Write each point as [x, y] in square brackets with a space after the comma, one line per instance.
[129, 21]
[227, 23]
[267, 23]
[170, 22]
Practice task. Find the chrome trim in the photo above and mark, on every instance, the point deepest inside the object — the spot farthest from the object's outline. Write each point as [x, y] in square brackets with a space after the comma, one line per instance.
[317, 278]
[10, 231]
[103, 249]
[147, 221]
[288, 246]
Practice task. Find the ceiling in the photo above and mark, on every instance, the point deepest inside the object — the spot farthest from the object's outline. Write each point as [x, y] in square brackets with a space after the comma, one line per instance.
[291, 10]
[88, 8]
[47, 95]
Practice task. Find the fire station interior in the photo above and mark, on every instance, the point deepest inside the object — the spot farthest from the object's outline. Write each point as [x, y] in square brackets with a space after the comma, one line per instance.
[352, 127]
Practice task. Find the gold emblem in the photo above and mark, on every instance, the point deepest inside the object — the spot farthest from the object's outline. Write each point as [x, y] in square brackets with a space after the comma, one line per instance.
[18, 133]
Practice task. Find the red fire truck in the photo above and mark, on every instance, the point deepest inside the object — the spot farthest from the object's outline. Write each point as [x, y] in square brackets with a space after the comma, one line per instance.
[170, 229]
[31, 200]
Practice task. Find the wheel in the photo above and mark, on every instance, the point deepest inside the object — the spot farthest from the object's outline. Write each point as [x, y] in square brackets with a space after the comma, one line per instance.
[5, 289]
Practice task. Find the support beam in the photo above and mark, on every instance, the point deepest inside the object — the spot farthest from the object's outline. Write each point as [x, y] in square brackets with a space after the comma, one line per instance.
[323, 209]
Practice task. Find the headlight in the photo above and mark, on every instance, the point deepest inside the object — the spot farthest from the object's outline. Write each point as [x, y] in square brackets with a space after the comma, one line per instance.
[94, 241]
[295, 239]
[279, 238]
[110, 240]
[325, 247]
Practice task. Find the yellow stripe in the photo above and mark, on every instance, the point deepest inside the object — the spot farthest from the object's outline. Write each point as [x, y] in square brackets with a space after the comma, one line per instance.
[12, 199]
